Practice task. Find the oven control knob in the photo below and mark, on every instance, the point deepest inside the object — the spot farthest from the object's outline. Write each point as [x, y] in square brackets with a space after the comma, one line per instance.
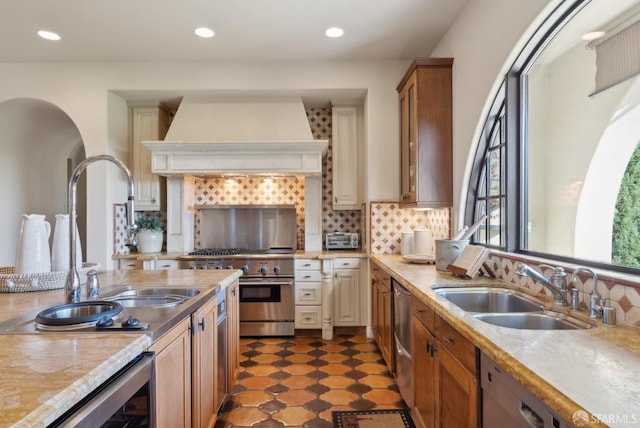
[276, 270]
[218, 267]
[263, 270]
[203, 267]
[230, 267]
[193, 267]
[245, 269]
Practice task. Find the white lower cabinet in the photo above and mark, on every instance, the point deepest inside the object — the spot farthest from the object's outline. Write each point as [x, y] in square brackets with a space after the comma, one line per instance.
[308, 293]
[347, 292]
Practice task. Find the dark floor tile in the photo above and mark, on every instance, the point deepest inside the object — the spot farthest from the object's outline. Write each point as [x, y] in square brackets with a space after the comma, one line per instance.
[317, 353]
[359, 388]
[269, 423]
[318, 405]
[349, 352]
[348, 343]
[252, 353]
[362, 404]
[317, 374]
[277, 389]
[272, 406]
[284, 353]
[281, 363]
[319, 423]
[248, 363]
[355, 374]
[255, 345]
[280, 375]
[352, 362]
[317, 388]
[316, 344]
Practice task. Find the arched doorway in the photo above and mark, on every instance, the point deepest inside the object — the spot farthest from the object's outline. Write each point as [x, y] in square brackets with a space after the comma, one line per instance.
[39, 148]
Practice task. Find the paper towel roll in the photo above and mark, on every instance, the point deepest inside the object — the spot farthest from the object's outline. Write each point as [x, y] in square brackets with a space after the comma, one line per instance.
[423, 242]
[406, 243]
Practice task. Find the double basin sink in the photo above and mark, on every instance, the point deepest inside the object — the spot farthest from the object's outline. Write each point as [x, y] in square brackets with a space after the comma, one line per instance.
[508, 308]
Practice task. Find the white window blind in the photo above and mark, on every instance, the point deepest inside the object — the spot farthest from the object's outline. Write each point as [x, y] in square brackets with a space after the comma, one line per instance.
[618, 55]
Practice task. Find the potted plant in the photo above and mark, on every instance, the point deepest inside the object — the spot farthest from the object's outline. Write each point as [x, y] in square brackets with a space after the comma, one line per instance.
[149, 234]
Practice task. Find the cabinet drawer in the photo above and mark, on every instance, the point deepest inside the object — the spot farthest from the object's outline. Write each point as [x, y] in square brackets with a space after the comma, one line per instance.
[423, 313]
[346, 263]
[463, 350]
[307, 264]
[308, 276]
[167, 264]
[130, 264]
[308, 293]
[308, 317]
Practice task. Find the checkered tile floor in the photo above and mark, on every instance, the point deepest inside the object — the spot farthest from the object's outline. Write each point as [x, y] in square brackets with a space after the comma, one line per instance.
[298, 382]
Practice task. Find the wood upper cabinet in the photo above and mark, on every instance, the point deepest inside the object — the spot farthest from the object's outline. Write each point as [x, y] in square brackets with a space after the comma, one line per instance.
[446, 361]
[381, 311]
[345, 155]
[149, 123]
[426, 176]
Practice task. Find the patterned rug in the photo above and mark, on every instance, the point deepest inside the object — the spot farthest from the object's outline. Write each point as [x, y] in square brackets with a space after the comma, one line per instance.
[399, 418]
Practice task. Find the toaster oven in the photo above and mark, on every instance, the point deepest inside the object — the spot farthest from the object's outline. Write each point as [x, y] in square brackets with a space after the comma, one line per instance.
[342, 241]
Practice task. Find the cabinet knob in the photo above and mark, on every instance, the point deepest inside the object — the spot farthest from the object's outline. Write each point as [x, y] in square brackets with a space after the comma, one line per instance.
[153, 200]
[201, 324]
[448, 339]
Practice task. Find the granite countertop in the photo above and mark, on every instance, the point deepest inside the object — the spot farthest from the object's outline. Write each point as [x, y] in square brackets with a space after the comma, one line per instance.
[325, 254]
[596, 370]
[43, 375]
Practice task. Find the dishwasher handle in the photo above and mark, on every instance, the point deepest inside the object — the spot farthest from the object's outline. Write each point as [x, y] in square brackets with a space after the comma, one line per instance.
[532, 418]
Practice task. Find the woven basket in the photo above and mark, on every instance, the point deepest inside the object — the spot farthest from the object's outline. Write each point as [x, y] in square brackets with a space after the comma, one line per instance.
[11, 282]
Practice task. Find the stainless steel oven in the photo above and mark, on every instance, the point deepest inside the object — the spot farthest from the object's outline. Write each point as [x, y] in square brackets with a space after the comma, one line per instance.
[125, 400]
[259, 240]
[266, 307]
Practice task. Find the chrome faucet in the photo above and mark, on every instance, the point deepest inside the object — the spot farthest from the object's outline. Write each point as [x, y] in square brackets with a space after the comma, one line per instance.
[557, 284]
[595, 301]
[72, 284]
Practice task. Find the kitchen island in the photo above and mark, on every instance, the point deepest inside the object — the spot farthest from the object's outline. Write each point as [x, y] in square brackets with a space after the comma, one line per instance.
[44, 374]
[596, 370]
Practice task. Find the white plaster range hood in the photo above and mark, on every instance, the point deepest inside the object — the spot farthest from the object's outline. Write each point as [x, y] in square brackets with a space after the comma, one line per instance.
[264, 136]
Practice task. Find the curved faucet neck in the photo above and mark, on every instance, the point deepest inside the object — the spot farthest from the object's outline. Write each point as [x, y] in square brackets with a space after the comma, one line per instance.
[72, 285]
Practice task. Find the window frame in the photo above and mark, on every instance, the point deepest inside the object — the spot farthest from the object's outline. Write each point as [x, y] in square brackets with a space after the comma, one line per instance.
[510, 105]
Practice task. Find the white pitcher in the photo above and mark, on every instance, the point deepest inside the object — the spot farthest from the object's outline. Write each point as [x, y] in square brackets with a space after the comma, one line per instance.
[60, 245]
[33, 255]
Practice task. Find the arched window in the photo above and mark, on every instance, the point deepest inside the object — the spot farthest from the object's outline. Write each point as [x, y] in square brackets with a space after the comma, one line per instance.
[557, 141]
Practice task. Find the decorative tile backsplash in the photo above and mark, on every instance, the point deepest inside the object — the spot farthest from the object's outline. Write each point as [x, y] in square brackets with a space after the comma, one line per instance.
[388, 221]
[623, 295]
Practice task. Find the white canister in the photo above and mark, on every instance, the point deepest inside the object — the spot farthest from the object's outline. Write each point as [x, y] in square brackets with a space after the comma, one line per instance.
[406, 243]
[60, 246]
[32, 254]
[423, 242]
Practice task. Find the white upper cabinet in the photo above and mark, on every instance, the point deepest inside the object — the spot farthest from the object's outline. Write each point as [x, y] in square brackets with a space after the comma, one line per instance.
[149, 123]
[345, 158]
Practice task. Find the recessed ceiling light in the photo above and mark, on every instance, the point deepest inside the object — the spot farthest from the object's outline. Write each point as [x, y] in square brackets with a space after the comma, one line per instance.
[48, 35]
[334, 32]
[589, 37]
[204, 32]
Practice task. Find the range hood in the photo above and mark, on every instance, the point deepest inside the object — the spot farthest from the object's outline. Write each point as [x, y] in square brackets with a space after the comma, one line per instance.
[263, 136]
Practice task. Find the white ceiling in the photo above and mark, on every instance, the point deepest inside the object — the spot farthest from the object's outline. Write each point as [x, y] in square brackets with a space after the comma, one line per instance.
[256, 30]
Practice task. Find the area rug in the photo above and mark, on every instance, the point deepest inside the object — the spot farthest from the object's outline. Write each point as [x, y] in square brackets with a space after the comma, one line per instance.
[399, 418]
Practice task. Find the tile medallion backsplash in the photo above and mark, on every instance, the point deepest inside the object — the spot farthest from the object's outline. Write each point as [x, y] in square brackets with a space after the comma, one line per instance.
[388, 221]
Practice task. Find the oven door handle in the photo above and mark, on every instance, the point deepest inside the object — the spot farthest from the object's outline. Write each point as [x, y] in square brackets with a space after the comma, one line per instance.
[265, 283]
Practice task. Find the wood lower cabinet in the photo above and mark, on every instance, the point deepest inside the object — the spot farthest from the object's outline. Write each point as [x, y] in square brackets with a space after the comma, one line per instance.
[186, 373]
[173, 377]
[233, 334]
[446, 363]
[381, 322]
[204, 373]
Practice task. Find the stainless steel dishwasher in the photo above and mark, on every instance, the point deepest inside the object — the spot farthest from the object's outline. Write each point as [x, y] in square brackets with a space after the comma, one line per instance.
[402, 362]
[507, 403]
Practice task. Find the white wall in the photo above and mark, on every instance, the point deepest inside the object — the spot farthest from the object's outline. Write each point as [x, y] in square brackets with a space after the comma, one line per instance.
[484, 40]
[81, 90]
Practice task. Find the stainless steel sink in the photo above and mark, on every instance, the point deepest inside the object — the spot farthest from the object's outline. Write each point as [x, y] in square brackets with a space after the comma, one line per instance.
[534, 321]
[151, 297]
[488, 299]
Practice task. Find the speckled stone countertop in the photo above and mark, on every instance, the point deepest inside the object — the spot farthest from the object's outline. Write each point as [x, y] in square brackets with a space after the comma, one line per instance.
[596, 370]
[43, 375]
[298, 254]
